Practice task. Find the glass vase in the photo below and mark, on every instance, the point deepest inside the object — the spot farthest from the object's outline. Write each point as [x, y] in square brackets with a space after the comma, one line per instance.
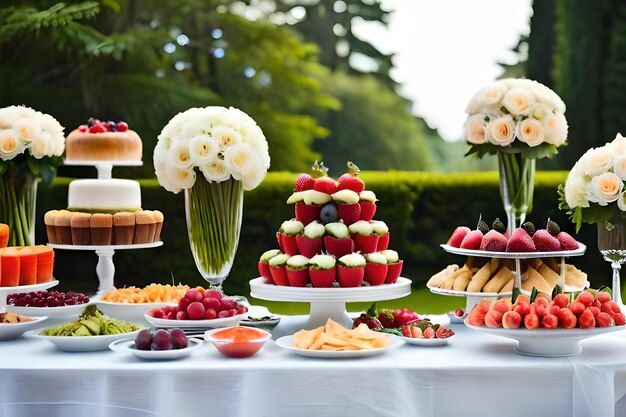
[612, 246]
[214, 211]
[517, 184]
[18, 197]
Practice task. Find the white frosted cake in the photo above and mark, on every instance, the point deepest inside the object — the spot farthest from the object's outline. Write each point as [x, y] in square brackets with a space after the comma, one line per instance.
[104, 195]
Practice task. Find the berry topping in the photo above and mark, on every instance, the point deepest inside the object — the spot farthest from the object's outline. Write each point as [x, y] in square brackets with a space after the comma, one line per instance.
[482, 225]
[349, 181]
[111, 126]
[498, 226]
[91, 121]
[122, 126]
[83, 128]
[98, 128]
[553, 228]
[530, 228]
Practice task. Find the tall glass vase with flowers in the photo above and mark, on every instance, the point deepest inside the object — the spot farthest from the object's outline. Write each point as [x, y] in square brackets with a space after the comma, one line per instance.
[520, 121]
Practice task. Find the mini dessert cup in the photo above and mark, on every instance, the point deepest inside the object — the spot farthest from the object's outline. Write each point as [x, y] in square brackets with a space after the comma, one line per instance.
[278, 269]
[322, 271]
[351, 270]
[124, 228]
[367, 201]
[287, 239]
[63, 227]
[298, 271]
[381, 229]
[101, 228]
[383, 242]
[348, 207]
[365, 241]
[145, 227]
[310, 241]
[49, 219]
[80, 225]
[338, 247]
[375, 268]
[263, 266]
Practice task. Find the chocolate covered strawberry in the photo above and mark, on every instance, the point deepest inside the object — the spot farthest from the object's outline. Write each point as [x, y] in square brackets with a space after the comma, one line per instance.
[382, 230]
[263, 266]
[351, 270]
[337, 240]
[365, 240]
[367, 201]
[472, 240]
[567, 241]
[347, 206]
[520, 241]
[394, 266]
[545, 242]
[287, 236]
[369, 318]
[375, 268]
[349, 180]
[278, 269]
[322, 271]
[457, 236]
[298, 271]
[310, 241]
[493, 241]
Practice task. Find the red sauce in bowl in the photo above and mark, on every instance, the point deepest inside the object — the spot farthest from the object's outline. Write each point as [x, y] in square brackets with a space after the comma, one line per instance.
[238, 342]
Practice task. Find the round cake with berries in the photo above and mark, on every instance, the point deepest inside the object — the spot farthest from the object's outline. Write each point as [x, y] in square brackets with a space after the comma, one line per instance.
[103, 141]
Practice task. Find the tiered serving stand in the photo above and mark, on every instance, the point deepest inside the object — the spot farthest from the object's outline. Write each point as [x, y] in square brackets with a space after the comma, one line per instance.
[329, 302]
[106, 267]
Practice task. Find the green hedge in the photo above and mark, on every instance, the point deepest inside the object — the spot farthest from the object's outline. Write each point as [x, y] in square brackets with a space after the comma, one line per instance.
[421, 209]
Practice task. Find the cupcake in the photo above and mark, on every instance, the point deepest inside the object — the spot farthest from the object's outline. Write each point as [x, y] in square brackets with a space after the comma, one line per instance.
[49, 219]
[101, 225]
[80, 224]
[145, 227]
[159, 218]
[278, 269]
[351, 270]
[309, 242]
[322, 271]
[337, 240]
[263, 266]
[298, 271]
[365, 241]
[63, 227]
[348, 207]
[367, 201]
[375, 268]
[381, 229]
[123, 228]
[287, 236]
[394, 266]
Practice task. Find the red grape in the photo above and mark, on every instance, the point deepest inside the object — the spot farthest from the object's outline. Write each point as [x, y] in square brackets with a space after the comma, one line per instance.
[182, 315]
[241, 309]
[143, 340]
[157, 313]
[223, 314]
[193, 295]
[227, 304]
[210, 314]
[211, 303]
[179, 339]
[161, 340]
[195, 311]
[183, 303]
[169, 309]
[213, 294]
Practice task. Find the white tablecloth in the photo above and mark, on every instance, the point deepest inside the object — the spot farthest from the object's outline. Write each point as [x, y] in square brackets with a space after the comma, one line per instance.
[475, 374]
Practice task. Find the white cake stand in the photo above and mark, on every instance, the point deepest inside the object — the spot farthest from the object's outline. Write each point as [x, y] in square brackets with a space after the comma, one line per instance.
[5, 291]
[105, 268]
[104, 167]
[329, 302]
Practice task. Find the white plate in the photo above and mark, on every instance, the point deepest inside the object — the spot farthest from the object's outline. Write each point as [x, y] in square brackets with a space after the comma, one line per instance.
[128, 346]
[258, 312]
[14, 330]
[71, 312]
[513, 255]
[208, 324]
[133, 312]
[425, 342]
[286, 342]
[82, 343]
[547, 342]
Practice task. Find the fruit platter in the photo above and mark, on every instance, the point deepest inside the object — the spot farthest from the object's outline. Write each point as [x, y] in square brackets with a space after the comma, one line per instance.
[552, 327]
[157, 344]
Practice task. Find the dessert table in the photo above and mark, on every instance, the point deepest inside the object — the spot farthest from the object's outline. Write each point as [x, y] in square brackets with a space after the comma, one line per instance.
[475, 374]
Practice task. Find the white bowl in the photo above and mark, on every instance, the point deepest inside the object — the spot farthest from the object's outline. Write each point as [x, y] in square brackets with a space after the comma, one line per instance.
[132, 312]
[82, 343]
[128, 346]
[62, 312]
[14, 330]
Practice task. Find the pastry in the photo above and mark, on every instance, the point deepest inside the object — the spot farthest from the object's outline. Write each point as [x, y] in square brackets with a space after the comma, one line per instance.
[80, 223]
[101, 229]
[483, 275]
[63, 227]
[500, 279]
[145, 227]
[535, 279]
[49, 219]
[123, 228]
[103, 141]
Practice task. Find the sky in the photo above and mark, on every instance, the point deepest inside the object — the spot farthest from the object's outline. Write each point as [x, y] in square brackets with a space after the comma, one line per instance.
[446, 50]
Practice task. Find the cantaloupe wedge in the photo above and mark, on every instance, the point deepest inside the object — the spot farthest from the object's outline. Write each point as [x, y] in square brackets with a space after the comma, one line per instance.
[45, 263]
[4, 235]
[28, 266]
[10, 267]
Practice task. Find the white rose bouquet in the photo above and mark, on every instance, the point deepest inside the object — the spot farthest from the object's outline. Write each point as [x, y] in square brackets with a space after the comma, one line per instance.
[594, 189]
[213, 154]
[31, 148]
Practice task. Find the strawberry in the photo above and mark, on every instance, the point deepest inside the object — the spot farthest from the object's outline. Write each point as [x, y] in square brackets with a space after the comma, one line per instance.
[349, 213]
[98, 128]
[338, 247]
[325, 185]
[393, 272]
[493, 241]
[368, 209]
[279, 238]
[298, 278]
[545, 242]
[567, 241]
[429, 333]
[383, 242]
[322, 278]
[375, 274]
[520, 241]
[349, 181]
[457, 236]
[472, 240]
[279, 275]
[264, 271]
[304, 182]
[386, 319]
[309, 247]
[289, 244]
[369, 319]
[307, 213]
[350, 276]
[365, 244]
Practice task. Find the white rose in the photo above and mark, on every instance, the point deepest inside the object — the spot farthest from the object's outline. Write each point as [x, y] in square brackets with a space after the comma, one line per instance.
[621, 202]
[239, 159]
[541, 111]
[619, 144]
[473, 106]
[597, 161]
[253, 176]
[576, 190]
[167, 183]
[501, 131]
[27, 112]
[619, 167]
[202, 149]
[530, 131]
[215, 171]
[7, 116]
[491, 95]
[10, 144]
[179, 155]
[41, 145]
[555, 126]
[181, 177]
[545, 95]
[605, 188]
[51, 125]
[226, 137]
[26, 128]
[519, 101]
[475, 129]
[160, 152]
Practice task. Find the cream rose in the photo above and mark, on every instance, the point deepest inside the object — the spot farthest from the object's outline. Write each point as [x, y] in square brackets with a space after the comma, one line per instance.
[501, 131]
[555, 126]
[26, 129]
[621, 202]
[239, 159]
[576, 190]
[597, 161]
[179, 155]
[202, 149]
[530, 131]
[215, 171]
[226, 137]
[475, 129]
[40, 145]
[619, 167]
[605, 188]
[491, 96]
[519, 101]
[541, 111]
[181, 177]
[10, 144]
[619, 144]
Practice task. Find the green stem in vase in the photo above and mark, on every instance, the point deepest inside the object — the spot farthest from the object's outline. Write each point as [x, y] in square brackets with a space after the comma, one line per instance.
[516, 186]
